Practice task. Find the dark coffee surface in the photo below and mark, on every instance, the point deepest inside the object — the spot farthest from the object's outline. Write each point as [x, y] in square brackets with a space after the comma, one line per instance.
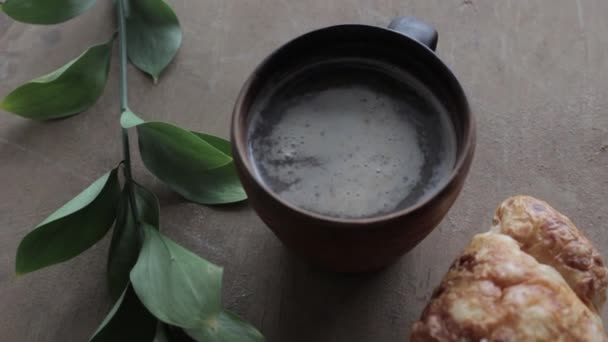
[350, 138]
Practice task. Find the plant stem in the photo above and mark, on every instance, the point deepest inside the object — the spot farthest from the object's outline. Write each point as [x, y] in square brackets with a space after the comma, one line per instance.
[124, 103]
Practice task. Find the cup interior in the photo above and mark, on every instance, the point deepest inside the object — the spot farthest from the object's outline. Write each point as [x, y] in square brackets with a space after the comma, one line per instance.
[352, 70]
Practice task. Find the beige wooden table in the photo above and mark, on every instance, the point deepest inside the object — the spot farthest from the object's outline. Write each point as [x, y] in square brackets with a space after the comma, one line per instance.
[537, 76]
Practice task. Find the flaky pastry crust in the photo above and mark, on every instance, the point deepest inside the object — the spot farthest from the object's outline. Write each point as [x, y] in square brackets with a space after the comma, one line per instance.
[533, 277]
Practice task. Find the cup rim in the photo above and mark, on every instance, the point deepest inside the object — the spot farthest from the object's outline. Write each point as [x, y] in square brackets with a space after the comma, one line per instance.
[239, 137]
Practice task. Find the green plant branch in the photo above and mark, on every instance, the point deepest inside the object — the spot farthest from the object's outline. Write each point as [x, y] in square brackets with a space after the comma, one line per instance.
[149, 36]
[124, 103]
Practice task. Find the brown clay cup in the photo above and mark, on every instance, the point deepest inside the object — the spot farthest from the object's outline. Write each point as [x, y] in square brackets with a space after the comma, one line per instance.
[357, 245]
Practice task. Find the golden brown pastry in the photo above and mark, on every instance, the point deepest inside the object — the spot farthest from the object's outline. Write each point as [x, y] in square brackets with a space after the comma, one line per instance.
[552, 239]
[497, 290]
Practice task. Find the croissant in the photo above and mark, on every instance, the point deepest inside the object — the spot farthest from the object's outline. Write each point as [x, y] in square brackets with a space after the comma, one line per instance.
[533, 277]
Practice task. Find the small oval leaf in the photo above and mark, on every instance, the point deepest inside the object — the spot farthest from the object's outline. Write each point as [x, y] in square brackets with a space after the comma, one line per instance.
[226, 327]
[72, 229]
[176, 285]
[127, 321]
[126, 238]
[45, 12]
[153, 35]
[69, 90]
[192, 164]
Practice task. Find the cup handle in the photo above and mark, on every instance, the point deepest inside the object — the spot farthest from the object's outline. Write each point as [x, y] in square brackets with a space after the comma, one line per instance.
[416, 29]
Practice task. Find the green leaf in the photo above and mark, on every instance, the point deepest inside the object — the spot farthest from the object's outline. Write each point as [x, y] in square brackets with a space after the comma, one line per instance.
[176, 285]
[195, 165]
[217, 142]
[221, 185]
[72, 229]
[226, 327]
[153, 35]
[148, 207]
[69, 90]
[127, 238]
[127, 321]
[45, 11]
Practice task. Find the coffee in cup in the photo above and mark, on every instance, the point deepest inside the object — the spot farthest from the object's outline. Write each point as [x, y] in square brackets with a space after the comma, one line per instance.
[350, 138]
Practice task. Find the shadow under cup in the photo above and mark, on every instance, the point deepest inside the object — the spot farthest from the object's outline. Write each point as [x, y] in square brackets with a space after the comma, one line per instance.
[352, 142]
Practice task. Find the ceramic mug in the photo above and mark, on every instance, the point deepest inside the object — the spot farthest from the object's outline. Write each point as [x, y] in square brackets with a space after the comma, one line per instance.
[364, 244]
